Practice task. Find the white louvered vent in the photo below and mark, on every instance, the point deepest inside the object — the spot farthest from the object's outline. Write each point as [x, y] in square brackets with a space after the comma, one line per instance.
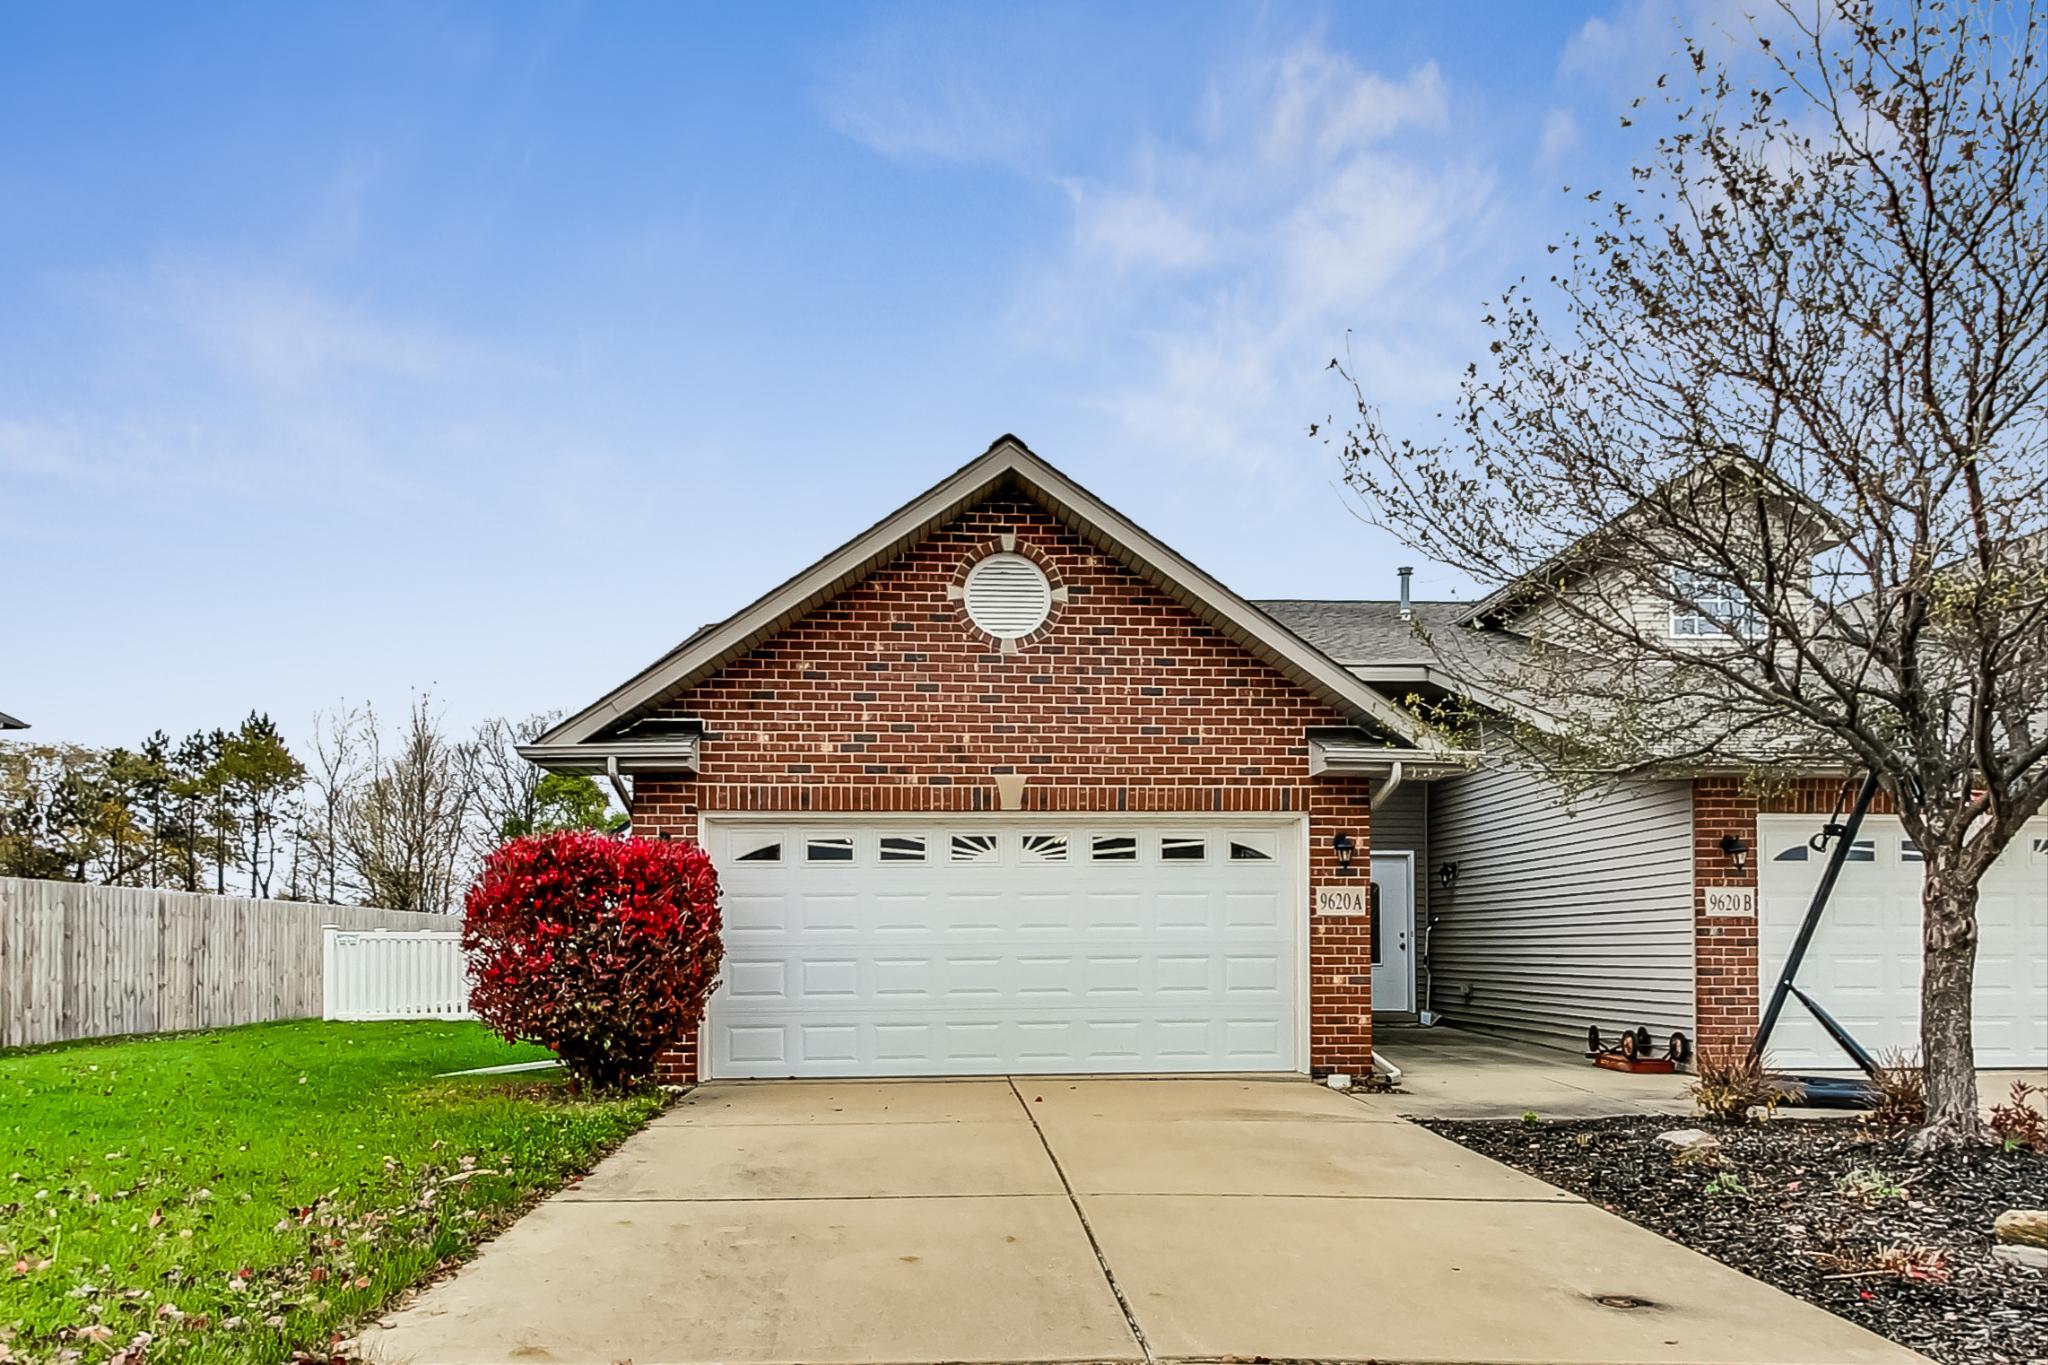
[1007, 596]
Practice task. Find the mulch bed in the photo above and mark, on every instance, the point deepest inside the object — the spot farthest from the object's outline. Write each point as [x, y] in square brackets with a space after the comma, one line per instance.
[1811, 1206]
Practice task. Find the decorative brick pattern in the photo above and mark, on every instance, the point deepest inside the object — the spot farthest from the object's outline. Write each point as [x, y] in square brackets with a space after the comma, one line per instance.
[1726, 967]
[887, 699]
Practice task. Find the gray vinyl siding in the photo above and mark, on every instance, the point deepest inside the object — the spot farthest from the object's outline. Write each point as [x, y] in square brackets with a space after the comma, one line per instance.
[1563, 914]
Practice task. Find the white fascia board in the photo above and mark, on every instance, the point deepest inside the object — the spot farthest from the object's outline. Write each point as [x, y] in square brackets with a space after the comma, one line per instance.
[712, 647]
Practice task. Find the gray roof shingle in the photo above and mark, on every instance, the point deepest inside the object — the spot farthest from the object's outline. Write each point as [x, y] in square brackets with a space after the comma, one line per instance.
[1364, 632]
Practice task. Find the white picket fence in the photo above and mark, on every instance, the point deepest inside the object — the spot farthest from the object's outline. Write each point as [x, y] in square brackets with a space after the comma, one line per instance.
[395, 974]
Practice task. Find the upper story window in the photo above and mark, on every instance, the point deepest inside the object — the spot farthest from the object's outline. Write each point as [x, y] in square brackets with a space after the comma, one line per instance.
[1721, 608]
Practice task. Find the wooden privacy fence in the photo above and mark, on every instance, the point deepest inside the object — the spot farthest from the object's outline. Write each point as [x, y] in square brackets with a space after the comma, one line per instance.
[80, 961]
[396, 974]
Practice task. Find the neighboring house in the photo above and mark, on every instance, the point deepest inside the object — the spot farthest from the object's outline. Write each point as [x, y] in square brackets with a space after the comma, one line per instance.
[8, 722]
[1667, 898]
[1004, 784]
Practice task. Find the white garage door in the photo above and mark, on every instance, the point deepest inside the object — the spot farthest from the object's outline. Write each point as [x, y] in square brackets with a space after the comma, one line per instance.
[980, 945]
[1864, 965]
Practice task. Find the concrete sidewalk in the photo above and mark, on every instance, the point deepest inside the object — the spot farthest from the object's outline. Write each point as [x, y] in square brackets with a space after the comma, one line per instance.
[1450, 1073]
[1057, 1220]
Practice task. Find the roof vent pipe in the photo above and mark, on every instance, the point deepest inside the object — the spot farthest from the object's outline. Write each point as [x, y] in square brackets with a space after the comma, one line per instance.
[1407, 611]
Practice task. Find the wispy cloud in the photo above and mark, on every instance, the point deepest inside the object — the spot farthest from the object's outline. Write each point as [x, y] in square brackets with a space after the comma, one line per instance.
[1560, 134]
[1205, 289]
[247, 384]
[271, 328]
[906, 96]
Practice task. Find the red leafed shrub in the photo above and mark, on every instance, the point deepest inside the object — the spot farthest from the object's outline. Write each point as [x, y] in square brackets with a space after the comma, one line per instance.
[603, 949]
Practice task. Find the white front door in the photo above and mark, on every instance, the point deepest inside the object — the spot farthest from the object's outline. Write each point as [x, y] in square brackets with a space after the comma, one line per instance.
[1864, 963]
[1393, 932]
[980, 944]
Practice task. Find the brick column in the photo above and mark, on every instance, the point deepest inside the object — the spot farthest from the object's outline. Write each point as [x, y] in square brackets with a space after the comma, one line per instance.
[1724, 947]
[1339, 949]
[669, 807]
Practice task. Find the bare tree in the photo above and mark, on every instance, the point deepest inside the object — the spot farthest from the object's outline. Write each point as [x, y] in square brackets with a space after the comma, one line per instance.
[403, 825]
[333, 775]
[1797, 405]
[507, 786]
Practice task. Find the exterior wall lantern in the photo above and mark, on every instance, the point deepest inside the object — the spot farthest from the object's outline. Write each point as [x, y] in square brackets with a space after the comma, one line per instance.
[1737, 851]
[1345, 848]
[1447, 875]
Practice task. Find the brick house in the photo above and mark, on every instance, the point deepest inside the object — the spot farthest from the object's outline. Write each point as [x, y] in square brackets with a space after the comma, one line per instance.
[1006, 785]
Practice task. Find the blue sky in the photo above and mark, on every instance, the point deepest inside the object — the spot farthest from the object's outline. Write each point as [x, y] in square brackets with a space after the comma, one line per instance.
[489, 349]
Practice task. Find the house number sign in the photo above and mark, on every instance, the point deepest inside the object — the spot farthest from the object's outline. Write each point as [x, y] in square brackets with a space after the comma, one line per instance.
[1732, 900]
[1342, 900]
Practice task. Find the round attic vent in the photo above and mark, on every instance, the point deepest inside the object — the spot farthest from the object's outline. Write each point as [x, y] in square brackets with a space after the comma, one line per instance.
[1007, 596]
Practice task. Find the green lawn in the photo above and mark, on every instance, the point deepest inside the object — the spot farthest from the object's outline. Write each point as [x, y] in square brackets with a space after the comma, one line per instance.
[242, 1194]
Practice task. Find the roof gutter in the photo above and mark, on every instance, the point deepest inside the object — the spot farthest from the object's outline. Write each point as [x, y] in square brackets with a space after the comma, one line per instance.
[614, 759]
[1346, 758]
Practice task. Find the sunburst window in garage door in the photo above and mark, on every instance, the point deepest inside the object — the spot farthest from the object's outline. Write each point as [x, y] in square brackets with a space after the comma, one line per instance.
[1044, 848]
[974, 848]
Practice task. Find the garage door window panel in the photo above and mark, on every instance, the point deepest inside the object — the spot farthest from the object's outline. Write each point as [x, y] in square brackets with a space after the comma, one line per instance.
[974, 848]
[1114, 848]
[901, 848]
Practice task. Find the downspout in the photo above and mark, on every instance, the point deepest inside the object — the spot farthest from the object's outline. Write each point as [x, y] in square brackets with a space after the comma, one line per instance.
[1389, 787]
[611, 770]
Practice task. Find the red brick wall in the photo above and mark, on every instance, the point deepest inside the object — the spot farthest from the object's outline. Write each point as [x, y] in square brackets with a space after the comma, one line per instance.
[1725, 947]
[888, 699]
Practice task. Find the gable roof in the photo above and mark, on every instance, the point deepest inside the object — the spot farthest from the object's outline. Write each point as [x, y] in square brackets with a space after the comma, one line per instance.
[1007, 463]
[8, 722]
[1541, 581]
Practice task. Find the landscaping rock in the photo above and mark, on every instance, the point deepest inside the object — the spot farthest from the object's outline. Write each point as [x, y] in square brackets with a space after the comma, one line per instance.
[2035, 1258]
[1690, 1140]
[2022, 1227]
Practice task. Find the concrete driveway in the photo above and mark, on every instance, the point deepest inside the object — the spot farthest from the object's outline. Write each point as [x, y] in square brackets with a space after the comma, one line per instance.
[1065, 1220]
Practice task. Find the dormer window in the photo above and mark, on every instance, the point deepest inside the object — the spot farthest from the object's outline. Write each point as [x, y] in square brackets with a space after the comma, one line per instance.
[1720, 606]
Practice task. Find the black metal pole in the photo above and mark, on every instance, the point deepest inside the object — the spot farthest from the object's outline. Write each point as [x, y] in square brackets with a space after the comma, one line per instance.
[1836, 858]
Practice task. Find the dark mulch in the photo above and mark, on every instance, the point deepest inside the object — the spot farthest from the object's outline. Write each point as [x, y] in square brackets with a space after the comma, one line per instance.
[1811, 1206]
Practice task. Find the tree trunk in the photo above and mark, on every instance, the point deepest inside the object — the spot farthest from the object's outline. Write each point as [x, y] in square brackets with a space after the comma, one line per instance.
[1948, 976]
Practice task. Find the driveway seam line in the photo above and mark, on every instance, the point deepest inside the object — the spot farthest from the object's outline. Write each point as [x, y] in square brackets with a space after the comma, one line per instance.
[1109, 1276]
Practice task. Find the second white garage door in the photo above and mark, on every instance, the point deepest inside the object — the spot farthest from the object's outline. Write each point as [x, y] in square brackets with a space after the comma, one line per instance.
[1864, 965]
[978, 946]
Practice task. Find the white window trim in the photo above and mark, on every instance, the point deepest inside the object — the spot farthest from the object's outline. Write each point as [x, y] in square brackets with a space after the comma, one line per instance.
[1701, 625]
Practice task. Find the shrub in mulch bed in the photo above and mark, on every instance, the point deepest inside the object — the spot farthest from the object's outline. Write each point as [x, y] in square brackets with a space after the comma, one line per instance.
[1823, 1209]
